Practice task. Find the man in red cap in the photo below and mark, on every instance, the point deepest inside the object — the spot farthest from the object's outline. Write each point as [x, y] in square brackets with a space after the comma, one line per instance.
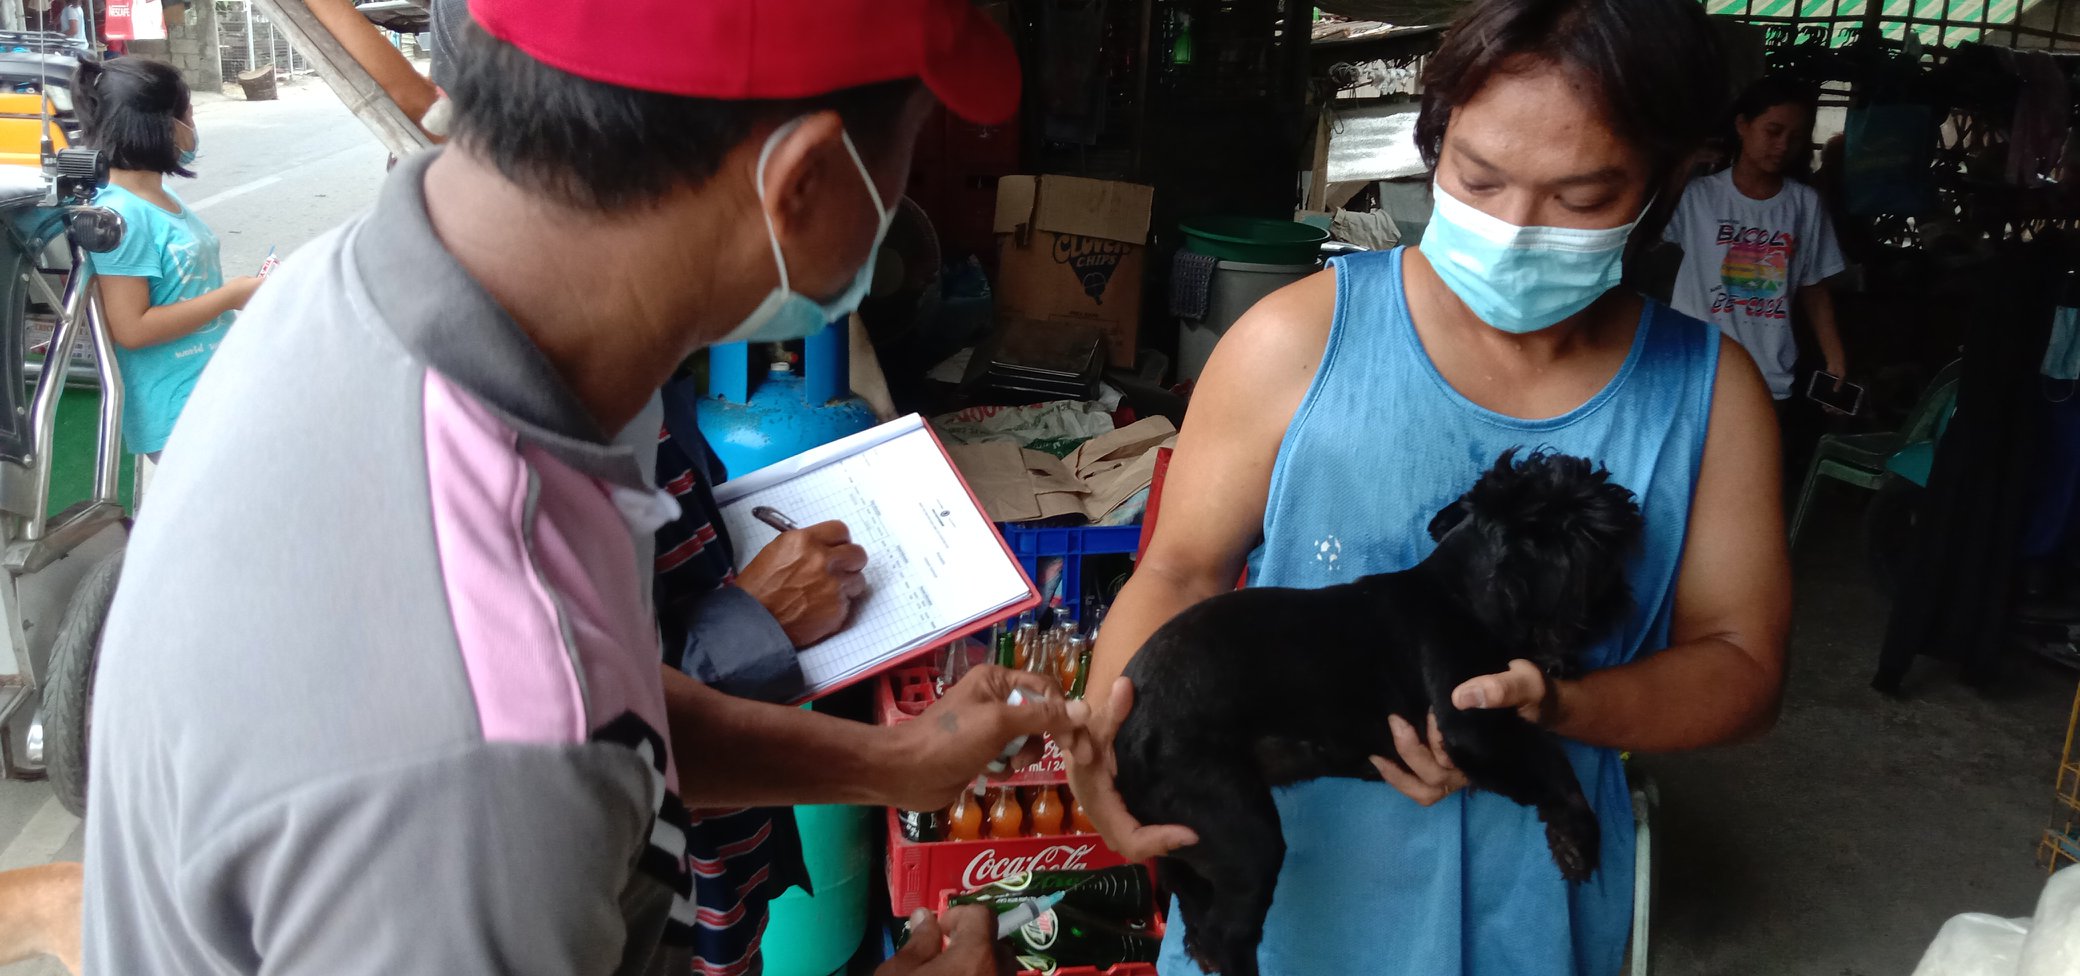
[394, 704]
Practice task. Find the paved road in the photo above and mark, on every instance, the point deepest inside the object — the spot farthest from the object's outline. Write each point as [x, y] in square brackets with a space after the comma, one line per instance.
[276, 174]
[270, 174]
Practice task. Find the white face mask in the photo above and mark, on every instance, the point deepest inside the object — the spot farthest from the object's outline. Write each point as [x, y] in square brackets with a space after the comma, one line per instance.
[1521, 279]
[788, 314]
[194, 144]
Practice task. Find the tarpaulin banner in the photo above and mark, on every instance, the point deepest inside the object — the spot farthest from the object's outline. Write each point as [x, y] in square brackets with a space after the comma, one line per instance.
[135, 20]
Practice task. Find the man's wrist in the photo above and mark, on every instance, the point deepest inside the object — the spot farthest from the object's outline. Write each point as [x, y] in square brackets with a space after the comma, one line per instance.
[1552, 709]
[888, 755]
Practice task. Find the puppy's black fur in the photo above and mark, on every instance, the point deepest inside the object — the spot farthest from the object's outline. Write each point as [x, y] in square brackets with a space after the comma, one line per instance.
[1266, 687]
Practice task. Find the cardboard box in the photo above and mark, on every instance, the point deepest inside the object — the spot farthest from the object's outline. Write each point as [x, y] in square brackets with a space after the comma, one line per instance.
[1070, 249]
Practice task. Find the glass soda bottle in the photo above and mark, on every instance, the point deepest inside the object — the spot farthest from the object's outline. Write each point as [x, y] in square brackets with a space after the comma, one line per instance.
[1063, 937]
[963, 821]
[1025, 643]
[1047, 812]
[920, 826]
[1005, 642]
[1006, 817]
[1075, 665]
[1119, 894]
[1079, 818]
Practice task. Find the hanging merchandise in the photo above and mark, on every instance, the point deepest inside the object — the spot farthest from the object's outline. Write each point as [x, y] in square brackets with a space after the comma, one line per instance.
[2043, 118]
[2054, 519]
[1954, 598]
[1890, 148]
[1891, 143]
[1072, 70]
[2062, 354]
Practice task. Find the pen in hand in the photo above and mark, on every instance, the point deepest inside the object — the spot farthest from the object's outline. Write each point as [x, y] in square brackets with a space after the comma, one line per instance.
[771, 516]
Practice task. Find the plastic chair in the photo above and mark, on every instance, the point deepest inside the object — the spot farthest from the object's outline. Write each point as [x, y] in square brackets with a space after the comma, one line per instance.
[1859, 459]
[1646, 798]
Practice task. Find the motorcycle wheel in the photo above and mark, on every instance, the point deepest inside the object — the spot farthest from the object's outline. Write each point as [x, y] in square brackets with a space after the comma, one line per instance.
[68, 688]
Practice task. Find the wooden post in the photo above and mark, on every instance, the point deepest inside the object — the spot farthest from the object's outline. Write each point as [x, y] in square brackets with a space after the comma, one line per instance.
[1318, 184]
[326, 44]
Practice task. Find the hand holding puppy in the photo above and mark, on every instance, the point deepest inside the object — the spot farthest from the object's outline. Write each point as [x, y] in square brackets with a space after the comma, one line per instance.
[1425, 773]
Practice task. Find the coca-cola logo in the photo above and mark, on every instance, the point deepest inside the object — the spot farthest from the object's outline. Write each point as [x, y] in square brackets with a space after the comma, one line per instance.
[988, 867]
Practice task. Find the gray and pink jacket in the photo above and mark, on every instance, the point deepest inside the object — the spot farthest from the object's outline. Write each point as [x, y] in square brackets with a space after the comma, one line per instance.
[380, 690]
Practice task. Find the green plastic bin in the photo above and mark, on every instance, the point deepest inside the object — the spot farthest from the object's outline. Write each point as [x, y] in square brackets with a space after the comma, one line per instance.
[817, 936]
[1254, 240]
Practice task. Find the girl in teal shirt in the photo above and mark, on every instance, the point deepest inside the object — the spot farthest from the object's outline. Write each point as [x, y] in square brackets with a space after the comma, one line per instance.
[163, 291]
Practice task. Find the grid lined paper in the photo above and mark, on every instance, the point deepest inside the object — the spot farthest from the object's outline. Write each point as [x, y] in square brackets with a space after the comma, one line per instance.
[934, 561]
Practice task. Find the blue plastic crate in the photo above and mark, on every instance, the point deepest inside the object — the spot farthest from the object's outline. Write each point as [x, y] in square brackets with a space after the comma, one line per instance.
[1032, 545]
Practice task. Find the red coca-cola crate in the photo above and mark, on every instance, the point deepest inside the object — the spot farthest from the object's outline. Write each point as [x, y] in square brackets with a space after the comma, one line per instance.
[905, 693]
[924, 874]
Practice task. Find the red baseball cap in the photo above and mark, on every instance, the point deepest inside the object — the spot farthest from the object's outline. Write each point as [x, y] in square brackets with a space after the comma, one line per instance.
[770, 49]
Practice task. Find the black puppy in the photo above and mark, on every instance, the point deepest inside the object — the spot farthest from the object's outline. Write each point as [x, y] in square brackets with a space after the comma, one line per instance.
[1266, 687]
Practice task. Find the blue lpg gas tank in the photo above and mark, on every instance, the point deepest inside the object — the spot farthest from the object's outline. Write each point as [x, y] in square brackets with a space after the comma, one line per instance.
[783, 414]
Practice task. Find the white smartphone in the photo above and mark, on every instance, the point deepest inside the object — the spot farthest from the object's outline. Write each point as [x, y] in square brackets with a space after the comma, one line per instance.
[1848, 398]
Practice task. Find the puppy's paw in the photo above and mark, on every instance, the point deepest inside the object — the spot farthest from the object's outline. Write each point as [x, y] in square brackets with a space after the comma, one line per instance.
[1575, 838]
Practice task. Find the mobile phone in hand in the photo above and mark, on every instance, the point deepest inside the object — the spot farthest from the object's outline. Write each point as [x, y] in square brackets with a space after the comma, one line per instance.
[1848, 399]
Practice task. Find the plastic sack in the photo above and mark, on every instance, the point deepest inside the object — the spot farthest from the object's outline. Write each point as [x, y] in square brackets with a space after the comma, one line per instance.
[1975, 945]
[2045, 944]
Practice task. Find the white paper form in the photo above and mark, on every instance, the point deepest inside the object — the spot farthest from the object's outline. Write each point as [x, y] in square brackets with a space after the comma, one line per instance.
[934, 561]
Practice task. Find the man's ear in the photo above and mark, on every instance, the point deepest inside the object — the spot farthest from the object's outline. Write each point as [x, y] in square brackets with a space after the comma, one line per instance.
[801, 161]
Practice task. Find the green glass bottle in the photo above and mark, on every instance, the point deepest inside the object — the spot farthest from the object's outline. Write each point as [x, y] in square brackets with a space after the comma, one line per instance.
[1120, 894]
[1007, 648]
[1063, 937]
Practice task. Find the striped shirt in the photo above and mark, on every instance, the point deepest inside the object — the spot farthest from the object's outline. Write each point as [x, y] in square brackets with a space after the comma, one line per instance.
[740, 859]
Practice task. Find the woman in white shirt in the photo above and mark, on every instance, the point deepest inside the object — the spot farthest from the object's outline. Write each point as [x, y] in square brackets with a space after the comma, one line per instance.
[1758, 249]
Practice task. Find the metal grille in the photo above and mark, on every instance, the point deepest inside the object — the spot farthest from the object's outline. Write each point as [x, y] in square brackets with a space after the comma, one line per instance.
[1947, 23]
[247, 39]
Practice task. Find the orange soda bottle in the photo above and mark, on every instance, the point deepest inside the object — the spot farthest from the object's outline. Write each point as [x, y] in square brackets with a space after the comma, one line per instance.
[1006, 817]
[1079, 818]
[1047, 812]
[964, 818]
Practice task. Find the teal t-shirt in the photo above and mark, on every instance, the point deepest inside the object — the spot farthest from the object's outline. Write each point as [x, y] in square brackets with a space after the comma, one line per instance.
[177, 255]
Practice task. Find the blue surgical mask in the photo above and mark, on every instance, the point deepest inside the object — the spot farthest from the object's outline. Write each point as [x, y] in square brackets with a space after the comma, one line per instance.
[1520, 279]
[188, 154]
[788, 314]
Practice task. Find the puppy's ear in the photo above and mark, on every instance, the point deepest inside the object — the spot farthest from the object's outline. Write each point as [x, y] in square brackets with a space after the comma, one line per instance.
[1607, 513]
[1447, 519]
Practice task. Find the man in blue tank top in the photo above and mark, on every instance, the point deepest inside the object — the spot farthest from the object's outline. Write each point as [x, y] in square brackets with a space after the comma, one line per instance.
[1344, 411]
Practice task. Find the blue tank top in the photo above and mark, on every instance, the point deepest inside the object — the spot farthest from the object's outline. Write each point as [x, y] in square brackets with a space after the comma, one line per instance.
[1372, 882]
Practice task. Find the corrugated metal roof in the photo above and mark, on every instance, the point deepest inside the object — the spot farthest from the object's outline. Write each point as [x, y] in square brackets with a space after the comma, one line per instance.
[1997, 12]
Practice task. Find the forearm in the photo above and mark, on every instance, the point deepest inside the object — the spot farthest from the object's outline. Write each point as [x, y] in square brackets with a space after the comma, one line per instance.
[1702, 693]
[734, 752]
[165, 323]
[1151, 597]
[1819, 306]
